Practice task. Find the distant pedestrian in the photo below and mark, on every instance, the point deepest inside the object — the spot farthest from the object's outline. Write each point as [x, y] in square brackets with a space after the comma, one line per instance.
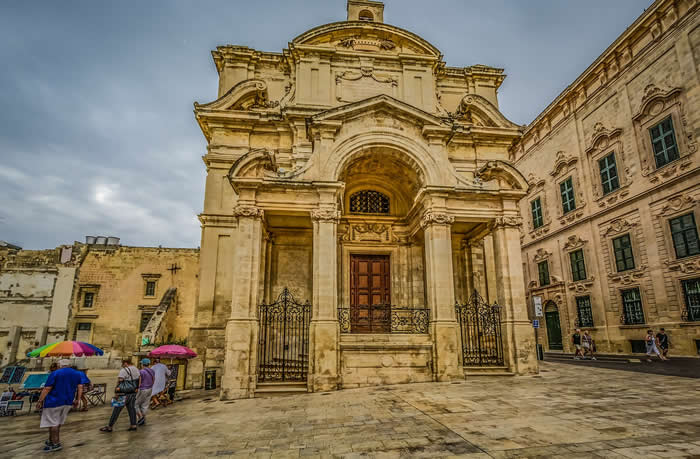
[127, 387]
[162, 373]
[651, 344]
[87, 387]
[588, 345]
[143, 398]
[576, 339]
[662, 339]
[56, 400]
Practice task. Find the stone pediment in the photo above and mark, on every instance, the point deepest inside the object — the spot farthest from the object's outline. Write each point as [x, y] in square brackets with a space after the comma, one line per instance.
[366, 37]
[478, 111]
[383, 103]
[246, 95]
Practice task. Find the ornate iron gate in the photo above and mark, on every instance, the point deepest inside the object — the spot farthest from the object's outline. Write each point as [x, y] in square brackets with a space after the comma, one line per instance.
[283, 349]
[480, 330]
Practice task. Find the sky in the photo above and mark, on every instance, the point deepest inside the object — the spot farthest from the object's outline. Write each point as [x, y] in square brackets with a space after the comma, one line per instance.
[97, 133]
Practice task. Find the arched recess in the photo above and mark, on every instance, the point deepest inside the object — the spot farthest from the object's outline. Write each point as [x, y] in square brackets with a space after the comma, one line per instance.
[505, 173]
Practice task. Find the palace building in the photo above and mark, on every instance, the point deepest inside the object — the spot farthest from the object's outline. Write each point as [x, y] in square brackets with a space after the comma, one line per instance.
[357, 189]
[610, 240]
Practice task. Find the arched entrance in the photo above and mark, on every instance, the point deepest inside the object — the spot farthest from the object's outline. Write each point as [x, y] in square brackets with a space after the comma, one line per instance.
[551, 314]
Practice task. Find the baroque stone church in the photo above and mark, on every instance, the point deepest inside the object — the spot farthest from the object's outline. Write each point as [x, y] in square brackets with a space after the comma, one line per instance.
[361, 219]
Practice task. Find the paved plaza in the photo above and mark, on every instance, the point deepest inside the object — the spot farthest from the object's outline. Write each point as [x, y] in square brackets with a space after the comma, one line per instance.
[566, 411]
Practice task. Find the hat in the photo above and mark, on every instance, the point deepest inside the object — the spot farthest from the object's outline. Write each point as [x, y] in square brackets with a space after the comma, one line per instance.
[145, 361]
[64, 363]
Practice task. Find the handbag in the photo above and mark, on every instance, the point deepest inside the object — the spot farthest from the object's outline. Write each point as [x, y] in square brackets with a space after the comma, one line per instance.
[127, 386]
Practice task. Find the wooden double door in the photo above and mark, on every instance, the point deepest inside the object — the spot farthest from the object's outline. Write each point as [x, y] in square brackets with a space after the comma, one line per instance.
[370, 294]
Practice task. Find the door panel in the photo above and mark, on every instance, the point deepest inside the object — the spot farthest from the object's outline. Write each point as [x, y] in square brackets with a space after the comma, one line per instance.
[370, 294]
[553, 330]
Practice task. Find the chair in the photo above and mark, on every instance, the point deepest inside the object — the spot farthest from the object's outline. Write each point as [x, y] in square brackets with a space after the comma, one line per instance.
[97, 395]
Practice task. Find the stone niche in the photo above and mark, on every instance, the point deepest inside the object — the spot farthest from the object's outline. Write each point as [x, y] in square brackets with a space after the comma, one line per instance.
[379, 359]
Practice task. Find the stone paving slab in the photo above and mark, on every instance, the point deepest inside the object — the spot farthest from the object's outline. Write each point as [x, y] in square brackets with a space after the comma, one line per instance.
[566, 411]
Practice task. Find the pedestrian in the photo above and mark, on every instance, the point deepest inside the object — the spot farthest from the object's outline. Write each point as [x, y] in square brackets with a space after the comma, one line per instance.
[588, 346]
[576, 339]
[162, 373]
[143, 398]
[56, 400]
[127, 387]
[87, 387]
[662, 339]
[652, 348]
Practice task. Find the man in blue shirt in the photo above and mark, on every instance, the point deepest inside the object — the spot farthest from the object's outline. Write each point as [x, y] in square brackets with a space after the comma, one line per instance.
[56, 400]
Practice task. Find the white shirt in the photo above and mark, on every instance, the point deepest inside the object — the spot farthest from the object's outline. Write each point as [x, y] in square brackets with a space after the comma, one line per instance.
[162, 372]
[130, 372]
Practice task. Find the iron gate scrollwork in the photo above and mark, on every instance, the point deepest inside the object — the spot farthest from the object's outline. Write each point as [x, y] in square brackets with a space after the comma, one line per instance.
[480, 330]
[283, 349]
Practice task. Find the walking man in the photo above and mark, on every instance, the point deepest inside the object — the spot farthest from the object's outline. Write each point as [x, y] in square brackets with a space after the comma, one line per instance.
[56, 400]
[162, 373]
[576, 339]
[662, 339]
[588, 347]
[143, 398]
[651, 346]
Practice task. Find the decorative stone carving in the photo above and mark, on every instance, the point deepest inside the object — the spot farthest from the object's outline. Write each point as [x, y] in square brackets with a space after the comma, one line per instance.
[574, 242]
[690, 266]
[325, 215]
[571, 216]
[364, 44]
[583, 286]
[514, 221]
[370, 232]
[618, 226]
[676, 204]
[348, 91]
[628, 277]
[541, 255]
[562, 164]
[431, 217]
[535, 182]
[248, 211]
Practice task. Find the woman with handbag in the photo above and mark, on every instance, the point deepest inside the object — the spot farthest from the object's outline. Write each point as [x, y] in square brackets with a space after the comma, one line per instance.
[127, 387]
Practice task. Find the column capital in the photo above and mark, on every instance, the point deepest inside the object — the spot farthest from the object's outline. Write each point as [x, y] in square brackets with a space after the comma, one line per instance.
[432, 217]
[514, 221]
[325, 215]
[248, 211]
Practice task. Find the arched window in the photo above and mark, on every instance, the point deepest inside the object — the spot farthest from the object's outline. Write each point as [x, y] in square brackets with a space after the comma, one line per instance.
[369, 202]
[366, 15]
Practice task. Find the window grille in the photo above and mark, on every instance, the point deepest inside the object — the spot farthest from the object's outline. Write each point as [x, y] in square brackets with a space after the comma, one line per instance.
[632, 307]
[585, 312]
[369, 202]
[88, 299]
[691, 291]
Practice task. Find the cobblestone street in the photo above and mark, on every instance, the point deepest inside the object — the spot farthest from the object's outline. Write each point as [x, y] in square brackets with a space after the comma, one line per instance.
[566, 411]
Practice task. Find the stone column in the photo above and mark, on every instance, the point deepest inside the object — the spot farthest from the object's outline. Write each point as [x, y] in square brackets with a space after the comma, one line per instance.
[325, 331]
[518, 335]
[440, 295]
[240, 363]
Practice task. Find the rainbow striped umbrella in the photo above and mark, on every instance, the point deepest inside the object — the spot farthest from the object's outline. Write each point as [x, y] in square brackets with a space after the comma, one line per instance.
[66, 349]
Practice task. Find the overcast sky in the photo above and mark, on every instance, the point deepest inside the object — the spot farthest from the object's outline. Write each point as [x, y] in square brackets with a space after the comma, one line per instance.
[97, 134]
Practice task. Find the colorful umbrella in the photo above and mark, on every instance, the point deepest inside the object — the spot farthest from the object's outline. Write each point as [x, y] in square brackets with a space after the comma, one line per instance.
[173, 351]
[66, 349]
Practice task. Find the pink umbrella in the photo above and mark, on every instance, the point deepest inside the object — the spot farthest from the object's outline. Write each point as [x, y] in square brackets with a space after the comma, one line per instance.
[173, 351]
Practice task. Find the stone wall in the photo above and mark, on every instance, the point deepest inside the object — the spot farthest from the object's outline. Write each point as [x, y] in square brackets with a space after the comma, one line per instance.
[647, 75]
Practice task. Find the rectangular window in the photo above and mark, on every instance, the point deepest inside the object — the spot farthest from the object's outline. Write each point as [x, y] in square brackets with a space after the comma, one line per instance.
[663, 140]
[624, 258]
[632, 306]
[543, 272]
[578, 265]
[585, 313]
[537, 219]
[691, 292]
[145, 318]
[608, 174]
[685, 235]
[82, 331]
[84, 326]
[88, 300]
[568, 202]
[151, 288]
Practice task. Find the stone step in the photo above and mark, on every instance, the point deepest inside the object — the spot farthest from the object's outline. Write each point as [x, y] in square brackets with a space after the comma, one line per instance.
[553, 356]
[470, 371]
[280, 388]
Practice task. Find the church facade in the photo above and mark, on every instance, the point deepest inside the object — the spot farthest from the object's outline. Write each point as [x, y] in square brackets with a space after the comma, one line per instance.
[360, 210]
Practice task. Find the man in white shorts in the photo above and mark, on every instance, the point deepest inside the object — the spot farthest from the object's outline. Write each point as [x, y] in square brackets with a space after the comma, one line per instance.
[56, 400]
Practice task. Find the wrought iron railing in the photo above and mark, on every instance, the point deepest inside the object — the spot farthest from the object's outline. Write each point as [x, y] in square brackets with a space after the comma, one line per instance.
[480, 330]
[383, 318]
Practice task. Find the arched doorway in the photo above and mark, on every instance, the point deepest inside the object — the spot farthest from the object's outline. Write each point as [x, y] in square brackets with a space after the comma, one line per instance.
[551, 314]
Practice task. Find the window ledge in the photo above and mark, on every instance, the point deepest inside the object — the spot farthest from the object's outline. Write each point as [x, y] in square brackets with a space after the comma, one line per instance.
[635, 326]
[695, 323]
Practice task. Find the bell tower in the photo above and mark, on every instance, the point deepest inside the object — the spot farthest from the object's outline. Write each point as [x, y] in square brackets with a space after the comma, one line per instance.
[365, 10]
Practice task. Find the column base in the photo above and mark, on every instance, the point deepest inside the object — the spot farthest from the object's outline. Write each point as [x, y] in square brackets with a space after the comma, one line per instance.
[238, 379]
[324, 336]
[520, 347]
[446, 350]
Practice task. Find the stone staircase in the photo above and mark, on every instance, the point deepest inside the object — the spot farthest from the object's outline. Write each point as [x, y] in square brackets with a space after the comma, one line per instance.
[564, 356]
[279, 389]
[471, 371]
